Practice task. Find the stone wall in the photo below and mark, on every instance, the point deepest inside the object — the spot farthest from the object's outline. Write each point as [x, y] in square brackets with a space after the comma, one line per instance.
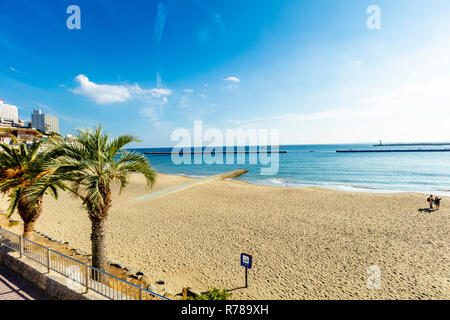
[52, 283]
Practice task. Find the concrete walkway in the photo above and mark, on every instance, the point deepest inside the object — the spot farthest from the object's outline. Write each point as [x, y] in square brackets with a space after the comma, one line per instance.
[183, 186]
[13, 287]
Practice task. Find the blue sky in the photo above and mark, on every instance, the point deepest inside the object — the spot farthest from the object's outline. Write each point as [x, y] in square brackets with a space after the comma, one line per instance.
[311, 69]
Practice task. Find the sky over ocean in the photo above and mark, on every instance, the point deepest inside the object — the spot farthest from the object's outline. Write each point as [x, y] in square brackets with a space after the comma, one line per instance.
[312, 69]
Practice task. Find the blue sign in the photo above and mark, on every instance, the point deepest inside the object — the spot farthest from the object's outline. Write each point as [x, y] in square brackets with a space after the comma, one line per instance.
[246, 260]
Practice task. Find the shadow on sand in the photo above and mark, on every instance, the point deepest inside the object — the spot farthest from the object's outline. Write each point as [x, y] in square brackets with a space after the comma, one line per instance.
[231, 290]
[427, 210]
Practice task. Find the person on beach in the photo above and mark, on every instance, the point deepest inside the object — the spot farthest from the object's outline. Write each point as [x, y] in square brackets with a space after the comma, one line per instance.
[430, 201]
[437, 202]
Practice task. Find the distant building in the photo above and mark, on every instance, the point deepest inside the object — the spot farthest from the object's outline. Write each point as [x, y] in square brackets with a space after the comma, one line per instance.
[69, 137]
[5, 138]
[9, 115]
[44, 122]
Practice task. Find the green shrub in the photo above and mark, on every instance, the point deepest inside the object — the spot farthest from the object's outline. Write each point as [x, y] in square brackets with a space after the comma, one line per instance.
[13, 223]
[213, 294]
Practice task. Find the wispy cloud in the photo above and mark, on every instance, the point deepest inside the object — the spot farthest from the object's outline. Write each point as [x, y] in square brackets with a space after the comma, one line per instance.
[106, 94]
[233, 79]
[189, 90]
[17, 71]
[218, 19]
[53, 112]
[215, 22]
[154, 110]
[150, 113]
[160, 22]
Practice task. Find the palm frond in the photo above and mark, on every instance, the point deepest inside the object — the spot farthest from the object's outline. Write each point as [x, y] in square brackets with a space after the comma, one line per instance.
[14, 198]
[118, 143]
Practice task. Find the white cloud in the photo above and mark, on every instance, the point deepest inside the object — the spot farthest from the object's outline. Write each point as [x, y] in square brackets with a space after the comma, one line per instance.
[105, 94]
[155, 92]
[101, 93]
[189, 90]
[233, 79]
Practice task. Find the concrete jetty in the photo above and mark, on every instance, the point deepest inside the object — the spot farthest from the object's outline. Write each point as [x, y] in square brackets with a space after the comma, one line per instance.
[217, 152]
[393, 150]
[183, 186]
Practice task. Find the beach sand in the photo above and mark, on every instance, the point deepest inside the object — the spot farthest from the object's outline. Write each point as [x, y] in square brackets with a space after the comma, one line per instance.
[306, 243]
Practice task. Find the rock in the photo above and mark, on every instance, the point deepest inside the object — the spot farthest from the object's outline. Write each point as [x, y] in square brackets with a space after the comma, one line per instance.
[151, 287]
[194, 292]
[139, 273]
[160, 282]
[146, 279]
[117, 265]
[131, 271]
[188, 292]
[80, 252]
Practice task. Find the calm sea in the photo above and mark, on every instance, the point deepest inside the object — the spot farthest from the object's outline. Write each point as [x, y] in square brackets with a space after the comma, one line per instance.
[320, 165]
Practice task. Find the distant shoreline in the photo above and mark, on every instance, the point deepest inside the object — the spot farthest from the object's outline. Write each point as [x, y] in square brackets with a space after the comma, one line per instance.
[356, 189]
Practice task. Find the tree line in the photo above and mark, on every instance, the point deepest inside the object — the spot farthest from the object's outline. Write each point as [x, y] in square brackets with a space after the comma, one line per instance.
[85, 166]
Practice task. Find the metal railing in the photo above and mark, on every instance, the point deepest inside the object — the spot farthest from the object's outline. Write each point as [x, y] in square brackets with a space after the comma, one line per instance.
[79, 276]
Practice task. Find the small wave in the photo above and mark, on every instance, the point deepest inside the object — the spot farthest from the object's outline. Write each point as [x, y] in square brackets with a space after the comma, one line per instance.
[279, 181]
[191, 175]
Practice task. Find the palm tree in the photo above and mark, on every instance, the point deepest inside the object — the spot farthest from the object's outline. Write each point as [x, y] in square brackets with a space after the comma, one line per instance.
[90, 163]
[20, 169]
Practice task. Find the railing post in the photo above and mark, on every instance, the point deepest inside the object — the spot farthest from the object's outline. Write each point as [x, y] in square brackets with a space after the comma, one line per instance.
[48, 259]
[86, 276]
[140, 292]
[21, 246]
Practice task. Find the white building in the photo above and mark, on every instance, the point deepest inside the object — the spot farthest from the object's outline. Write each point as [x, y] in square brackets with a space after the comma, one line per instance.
[8, 113]
[44, 122]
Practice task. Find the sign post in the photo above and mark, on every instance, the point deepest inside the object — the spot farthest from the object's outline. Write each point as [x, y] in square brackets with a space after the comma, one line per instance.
[246, 262]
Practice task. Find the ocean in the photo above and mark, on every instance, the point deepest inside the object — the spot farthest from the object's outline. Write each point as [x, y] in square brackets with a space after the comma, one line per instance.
[321, 165]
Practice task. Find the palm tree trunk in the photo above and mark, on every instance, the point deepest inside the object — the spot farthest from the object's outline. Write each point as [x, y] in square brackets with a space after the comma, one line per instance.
[28, 230]
[29, 217]
[98, 239]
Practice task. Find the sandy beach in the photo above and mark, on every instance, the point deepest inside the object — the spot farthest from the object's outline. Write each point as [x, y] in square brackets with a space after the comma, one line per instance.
[306, 243]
